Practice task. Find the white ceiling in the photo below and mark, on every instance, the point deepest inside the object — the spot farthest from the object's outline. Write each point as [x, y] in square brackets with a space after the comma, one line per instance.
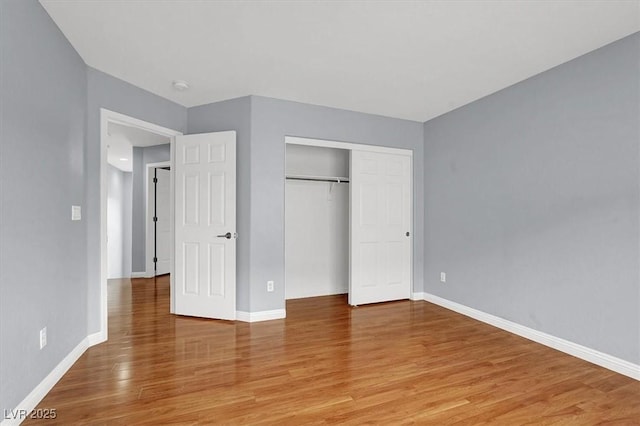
[405, 59]
[121, 141]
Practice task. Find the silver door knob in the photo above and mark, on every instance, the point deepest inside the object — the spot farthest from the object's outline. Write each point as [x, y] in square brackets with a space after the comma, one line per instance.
[228, 235]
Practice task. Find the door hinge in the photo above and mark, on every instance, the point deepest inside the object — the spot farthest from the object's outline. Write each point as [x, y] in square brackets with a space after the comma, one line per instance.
[155, 180]
[155, 218]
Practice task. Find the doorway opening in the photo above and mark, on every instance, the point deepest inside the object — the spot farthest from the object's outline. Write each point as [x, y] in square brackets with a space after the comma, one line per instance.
[127, 144]
[316, 221]
[158, 219]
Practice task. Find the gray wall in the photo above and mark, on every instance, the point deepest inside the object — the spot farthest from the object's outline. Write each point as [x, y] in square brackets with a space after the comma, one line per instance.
[116, 95]
[142, 157]
[43, 258]
[532, 203]
[261, 125]
[271, 121]
[235, 115]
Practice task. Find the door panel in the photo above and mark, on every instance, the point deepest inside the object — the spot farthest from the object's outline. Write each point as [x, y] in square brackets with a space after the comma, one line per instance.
[205, 175]
[191, 259]
[380, 219]
[216, 269]
[191, 200]
[216, 199]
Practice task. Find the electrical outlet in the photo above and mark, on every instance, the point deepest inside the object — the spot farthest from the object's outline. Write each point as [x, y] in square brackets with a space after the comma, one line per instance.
[76, 213]
[269, 285]
[443, 277]
[43, 337]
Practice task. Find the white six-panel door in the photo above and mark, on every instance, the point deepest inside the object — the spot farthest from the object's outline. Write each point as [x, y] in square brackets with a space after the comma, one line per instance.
[380, 227]
[205, 203]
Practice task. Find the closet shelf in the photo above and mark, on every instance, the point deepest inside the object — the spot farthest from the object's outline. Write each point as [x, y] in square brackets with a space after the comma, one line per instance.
[337, 179]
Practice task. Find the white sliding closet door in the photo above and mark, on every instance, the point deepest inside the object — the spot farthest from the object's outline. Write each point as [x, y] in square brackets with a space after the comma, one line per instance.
[380, 227]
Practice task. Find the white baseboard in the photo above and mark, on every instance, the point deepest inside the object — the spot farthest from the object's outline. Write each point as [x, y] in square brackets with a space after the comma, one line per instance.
[142, 274]
[591, 355]
[33, 399]
[261, 316]
[96, 338]
[417, 296]
[305, 293]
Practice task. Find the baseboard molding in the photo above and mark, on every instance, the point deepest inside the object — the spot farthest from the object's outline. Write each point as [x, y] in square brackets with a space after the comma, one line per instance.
[42, 389]
[140, 275]
[261, 316]
[344, 291]
[591, 355]
[97, 338]
[417, 296]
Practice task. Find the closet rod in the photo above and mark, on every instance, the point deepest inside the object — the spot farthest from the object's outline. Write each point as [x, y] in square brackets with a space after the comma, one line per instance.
[318, 179]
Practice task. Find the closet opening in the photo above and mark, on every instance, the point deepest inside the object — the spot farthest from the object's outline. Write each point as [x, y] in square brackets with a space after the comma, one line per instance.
[316, 221]
[348, 221]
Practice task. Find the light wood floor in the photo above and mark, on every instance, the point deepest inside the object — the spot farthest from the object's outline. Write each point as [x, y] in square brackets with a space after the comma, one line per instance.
[392, 363]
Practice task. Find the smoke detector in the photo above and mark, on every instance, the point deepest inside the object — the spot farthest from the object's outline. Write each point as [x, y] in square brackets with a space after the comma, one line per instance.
[180, 85]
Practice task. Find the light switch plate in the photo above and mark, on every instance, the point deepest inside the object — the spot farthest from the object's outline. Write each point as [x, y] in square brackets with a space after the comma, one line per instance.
[43, 337]
[76, 213]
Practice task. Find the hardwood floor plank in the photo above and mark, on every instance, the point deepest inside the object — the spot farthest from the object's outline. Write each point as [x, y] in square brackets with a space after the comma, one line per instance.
[327, 363]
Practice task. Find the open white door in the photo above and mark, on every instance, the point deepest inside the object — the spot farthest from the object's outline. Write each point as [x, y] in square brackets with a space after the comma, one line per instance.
[205, 225]
[163, 221]
[380, 227]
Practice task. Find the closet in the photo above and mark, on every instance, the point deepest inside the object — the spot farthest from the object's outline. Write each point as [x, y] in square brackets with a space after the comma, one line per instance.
[316, 221]
[348, 221]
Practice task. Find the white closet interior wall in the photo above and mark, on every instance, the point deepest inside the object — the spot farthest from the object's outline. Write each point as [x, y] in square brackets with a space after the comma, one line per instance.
[316, 222]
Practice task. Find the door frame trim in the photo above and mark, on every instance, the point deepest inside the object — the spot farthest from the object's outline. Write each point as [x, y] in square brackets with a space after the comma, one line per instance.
[350, 146]
[106, 117]
[296, 140]
[150, 197]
